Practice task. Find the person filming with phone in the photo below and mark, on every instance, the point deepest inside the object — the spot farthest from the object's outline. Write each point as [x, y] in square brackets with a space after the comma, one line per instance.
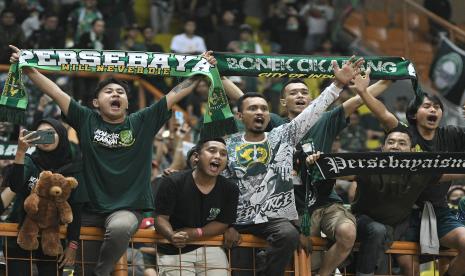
[53, 152]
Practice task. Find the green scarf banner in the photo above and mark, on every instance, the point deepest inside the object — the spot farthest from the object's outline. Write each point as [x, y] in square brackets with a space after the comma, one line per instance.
[298, 66]
[285, 66]
[218, 119]
[13, 101]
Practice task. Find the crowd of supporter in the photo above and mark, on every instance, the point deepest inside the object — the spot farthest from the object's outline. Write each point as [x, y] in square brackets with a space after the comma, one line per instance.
[193, 27]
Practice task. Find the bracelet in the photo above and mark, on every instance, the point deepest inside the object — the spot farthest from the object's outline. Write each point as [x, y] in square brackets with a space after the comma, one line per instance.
[199, 232]
[73, 245]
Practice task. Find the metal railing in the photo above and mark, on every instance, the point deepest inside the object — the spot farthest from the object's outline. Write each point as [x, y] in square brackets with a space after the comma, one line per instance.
[300, 266]
[453, 30]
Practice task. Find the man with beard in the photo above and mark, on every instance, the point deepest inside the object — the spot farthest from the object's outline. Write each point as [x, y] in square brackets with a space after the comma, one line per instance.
[424, 117]
[261, 165]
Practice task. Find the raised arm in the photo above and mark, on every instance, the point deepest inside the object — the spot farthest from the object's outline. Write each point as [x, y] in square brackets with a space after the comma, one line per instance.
[386, 118]
[232, 91]
[188, 85]
[301, 124]
[182, 90]
[43, 83]
[375, 90]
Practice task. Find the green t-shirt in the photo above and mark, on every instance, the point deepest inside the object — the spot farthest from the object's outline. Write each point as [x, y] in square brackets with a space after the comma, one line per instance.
[319, 138]
[117, 157]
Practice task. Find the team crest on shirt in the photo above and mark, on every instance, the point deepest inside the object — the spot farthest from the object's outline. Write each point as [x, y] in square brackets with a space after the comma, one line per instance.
[114, 140]
[126, 137]
[247, 154]
[214, 212]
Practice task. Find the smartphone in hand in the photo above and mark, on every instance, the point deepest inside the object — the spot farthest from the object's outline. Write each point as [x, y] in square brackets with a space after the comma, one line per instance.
[179, 117]
[46, 136]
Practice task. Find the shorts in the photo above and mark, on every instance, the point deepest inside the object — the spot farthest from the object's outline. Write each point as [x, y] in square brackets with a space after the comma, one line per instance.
[206, 260]
[325, 219]
[445, 219]
[150, 261]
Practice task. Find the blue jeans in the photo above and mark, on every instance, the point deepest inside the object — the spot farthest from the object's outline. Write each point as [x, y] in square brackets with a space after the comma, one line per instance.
[372, 237]
[119, 227]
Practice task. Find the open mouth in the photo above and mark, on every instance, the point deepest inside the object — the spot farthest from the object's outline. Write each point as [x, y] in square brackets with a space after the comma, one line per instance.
[300, 103]
[259, 120]
[432, 118]
[214, 165]
[115, 104]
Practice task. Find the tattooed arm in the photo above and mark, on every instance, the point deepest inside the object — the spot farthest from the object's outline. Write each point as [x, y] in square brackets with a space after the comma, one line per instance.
[182, 90]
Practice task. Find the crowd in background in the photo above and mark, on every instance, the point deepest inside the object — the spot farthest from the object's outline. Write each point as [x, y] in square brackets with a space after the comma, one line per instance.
[192, 27]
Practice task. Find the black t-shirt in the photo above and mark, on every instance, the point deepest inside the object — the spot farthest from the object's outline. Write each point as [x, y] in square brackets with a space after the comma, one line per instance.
[179, 198]
[446, 139]
[388, 199]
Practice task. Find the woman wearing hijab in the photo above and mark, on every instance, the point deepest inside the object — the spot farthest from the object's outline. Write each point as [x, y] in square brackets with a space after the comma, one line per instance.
[59, 157]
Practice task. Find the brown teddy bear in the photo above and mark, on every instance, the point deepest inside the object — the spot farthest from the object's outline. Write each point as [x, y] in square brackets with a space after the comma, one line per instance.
[46, 208]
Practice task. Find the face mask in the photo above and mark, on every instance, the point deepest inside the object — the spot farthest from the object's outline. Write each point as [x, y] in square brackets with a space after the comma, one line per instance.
[292, 27]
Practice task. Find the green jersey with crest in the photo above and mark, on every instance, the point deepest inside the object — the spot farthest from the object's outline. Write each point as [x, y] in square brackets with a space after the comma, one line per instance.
[117, 157]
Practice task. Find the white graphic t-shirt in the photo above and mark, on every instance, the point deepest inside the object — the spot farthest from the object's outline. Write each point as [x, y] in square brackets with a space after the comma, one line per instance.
[263, 170]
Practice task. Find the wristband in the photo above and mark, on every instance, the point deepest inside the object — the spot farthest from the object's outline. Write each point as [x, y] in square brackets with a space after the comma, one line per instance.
[199, 232]
[73, 245]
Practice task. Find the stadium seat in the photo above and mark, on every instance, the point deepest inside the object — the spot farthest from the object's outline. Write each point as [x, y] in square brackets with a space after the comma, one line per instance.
[416, 22]
[377, 19]
[424, 47]
[375, 33]
[398, 34]
[353, 24]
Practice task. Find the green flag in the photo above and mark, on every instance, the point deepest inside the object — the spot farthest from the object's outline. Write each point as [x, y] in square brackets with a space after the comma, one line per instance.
[13, 101]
